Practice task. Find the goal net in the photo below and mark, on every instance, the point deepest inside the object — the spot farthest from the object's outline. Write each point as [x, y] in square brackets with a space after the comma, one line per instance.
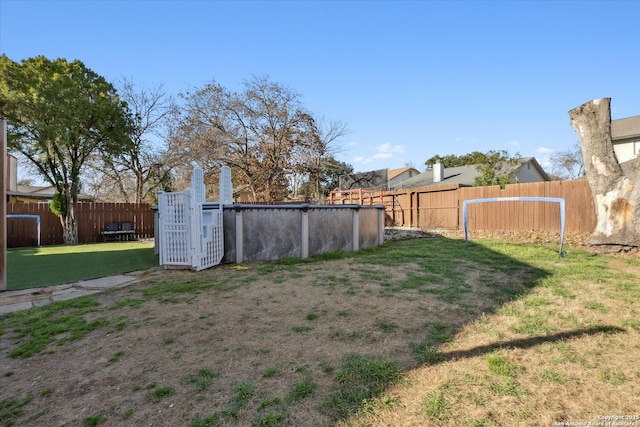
[515, 213]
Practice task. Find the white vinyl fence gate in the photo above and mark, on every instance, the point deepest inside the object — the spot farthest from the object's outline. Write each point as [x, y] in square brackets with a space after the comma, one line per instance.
[191, 236]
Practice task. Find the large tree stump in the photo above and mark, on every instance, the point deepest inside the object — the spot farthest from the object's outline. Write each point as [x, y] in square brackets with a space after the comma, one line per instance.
[616, 194]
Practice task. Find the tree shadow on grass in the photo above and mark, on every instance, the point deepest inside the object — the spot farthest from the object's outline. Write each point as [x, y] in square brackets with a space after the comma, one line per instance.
[471, 280]
[363, 378]
[524, 343]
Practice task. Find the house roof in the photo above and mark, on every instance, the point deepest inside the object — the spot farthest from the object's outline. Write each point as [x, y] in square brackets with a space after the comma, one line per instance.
[392, 173]
[40, 192]
[628, 127]
[35, 190]
[532, 161]
[464, 175]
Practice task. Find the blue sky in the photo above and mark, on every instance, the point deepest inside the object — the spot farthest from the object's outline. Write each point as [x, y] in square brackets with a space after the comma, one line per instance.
[411, 79]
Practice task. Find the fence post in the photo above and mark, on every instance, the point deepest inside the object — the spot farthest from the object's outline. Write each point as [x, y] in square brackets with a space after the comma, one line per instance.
[305, 231]
[355, 229]
[459, 202]
[156, 227]
[381, 224]
[416, 216]
[239, 235]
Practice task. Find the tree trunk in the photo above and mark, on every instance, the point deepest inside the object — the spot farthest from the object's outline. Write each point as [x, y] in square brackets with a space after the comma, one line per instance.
[69, 220]
[139, 187]
[69, 229]
[616, 195]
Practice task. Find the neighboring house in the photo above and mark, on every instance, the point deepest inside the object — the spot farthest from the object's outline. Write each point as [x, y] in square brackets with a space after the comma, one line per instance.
[29, 193]
[38, 194]
[397, 177]
[242, 194]
[378, 179]
[526, 170]
[625, 135]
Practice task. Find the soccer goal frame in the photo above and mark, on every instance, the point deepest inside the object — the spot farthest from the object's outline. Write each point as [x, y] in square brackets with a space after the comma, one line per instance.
[516, 199]
[36, 217]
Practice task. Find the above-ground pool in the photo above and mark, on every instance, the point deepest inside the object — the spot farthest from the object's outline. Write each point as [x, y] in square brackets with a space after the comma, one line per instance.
[270, 232]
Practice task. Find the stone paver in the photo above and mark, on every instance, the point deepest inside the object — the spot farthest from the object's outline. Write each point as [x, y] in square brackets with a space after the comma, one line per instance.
[10, 308]
[69, 290]
[105, 282]
[11, 301]
[70, 295]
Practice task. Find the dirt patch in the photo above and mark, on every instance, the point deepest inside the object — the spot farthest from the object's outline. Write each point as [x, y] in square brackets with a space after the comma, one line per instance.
[269, 329]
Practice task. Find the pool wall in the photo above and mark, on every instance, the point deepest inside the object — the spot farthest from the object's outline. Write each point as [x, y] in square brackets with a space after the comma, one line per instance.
[270, 232]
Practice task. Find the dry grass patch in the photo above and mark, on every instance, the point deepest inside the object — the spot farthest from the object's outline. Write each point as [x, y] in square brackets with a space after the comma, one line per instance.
[565, 352]
[416, 332]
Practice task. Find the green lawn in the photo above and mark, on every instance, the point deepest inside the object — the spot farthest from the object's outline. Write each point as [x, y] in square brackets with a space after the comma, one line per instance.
[55, 265]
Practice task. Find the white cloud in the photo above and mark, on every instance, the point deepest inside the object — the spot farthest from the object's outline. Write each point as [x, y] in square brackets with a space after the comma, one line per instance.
[514, 143]
[388, 148]
[382, 151]
[361, 159]
[544, 150]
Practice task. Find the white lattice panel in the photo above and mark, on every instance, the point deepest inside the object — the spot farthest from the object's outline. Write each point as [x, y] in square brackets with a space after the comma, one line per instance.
[197, 186]
[226, 189]
[213, 249]
[189, 235]
[175, 246]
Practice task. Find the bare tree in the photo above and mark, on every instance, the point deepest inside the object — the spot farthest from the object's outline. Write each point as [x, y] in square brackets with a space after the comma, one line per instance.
[136, 174]
[568, 164]
[616, 194]
[328, 179]
[370, 179]
[261, 133]
[316, 161]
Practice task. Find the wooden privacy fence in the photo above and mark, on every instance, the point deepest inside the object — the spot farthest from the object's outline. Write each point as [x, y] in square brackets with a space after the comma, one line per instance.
[440, 207]
[92, 220]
